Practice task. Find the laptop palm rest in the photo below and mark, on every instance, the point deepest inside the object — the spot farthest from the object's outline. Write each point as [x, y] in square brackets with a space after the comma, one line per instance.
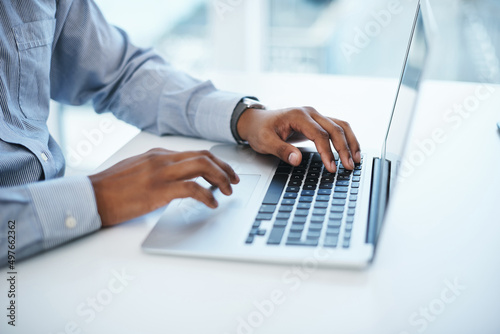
[188, 224]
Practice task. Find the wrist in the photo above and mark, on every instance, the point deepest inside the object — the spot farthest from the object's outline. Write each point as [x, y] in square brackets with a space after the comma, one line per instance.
[244, 123]
[242, 108]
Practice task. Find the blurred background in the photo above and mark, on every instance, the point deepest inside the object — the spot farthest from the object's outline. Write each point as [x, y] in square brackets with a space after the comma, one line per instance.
[323, 37]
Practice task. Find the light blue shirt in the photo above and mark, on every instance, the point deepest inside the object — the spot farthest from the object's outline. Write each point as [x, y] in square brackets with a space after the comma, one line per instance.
[65, 50]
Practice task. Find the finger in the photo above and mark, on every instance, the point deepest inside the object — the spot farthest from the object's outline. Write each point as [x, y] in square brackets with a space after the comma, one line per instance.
[223, 165]
[305, 124]
[196, 166]
[184, 189]
[275, 145]
[352, 141]
[337, 135]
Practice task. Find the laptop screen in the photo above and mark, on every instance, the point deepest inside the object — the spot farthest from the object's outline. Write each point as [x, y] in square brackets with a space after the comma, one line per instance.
[401, 117]
[404, 105]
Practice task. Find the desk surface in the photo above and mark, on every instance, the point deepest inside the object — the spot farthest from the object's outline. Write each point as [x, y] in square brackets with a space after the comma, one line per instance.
[436, 270]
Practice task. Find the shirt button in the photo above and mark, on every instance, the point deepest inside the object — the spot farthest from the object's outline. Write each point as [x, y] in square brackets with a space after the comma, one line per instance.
[70, 222]
[44, 157]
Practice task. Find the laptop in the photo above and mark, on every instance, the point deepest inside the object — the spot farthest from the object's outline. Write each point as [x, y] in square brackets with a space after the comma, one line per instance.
[304, 214]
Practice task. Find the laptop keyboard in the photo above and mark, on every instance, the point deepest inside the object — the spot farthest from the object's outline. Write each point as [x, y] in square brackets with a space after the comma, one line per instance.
[308, 205]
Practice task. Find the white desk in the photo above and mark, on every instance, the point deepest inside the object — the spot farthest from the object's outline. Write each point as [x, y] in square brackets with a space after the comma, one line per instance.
[443, 224]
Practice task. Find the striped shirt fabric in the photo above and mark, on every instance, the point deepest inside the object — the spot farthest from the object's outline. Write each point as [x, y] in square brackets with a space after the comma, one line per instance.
[66, 51]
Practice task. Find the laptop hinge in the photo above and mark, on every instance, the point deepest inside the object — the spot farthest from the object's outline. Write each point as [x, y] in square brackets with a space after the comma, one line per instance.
[379, 195]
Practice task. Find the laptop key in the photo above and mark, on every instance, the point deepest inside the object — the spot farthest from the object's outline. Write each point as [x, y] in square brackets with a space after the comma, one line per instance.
[331, 241]
[290, 195]
[250, 239]
[307, 193]
[319, 212]
[275, 189]
[321, 205]
[324, 191]
[337, 208]
[276, 235]
[339, 195]
[306, 199]
[310, 187]
[294, 235]
[307, 243]
[355, 185]
[326, 185]
[315, 227]
[283, 215]
[333, 224]
[303, 205]
[343, 183]
[292, 189]
[299, 171]
[317, 219]
[322, 198]
[341, 189]
[299, 220]
[354, 191]
[280, 222]
[296, 228]
[333, 231]
[283, 170]
[338, 201]
[288, 201]
[261, 232]
[267, 208]
[353, 198]
[336, 216]
[301, 213]
[286, 208]
[264, 216]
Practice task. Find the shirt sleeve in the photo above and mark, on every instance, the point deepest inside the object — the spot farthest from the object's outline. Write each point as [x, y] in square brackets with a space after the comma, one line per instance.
[93, 60]
[46, 214]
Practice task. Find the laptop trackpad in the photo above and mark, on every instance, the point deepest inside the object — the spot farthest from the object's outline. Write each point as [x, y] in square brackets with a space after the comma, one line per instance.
[191, 211]
[191, 219]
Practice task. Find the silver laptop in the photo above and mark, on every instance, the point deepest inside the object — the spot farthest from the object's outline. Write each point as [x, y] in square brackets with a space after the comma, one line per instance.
[299, 215]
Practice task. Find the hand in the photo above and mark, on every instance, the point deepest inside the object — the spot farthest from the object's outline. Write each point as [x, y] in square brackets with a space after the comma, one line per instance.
[267, 131]
[146, 182]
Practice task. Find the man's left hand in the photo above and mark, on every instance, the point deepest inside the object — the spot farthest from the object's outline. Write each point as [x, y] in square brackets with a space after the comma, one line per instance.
[267, 131]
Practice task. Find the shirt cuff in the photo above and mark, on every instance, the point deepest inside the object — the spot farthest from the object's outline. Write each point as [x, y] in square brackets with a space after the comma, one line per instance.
[214, 120]
[66, 209]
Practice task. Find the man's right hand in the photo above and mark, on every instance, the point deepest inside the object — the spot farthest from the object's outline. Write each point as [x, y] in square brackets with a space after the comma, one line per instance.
[146, 182]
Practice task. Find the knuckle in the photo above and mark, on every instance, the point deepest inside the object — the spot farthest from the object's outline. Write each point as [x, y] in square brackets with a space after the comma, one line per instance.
[322, 134]
[203, 160]
[191, 186]
[310, 110]
[339, 130]
[206, 153]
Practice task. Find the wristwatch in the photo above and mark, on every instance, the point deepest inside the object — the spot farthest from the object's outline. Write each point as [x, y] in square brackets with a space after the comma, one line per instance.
[244, 104]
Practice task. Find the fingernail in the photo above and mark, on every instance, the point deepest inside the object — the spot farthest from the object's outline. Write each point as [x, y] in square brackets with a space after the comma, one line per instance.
[351, 162]
[333, 166]
[358, 156]
[293, 158]
[237, 178]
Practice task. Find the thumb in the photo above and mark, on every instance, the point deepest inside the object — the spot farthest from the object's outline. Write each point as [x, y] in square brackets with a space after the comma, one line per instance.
[285, 151]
